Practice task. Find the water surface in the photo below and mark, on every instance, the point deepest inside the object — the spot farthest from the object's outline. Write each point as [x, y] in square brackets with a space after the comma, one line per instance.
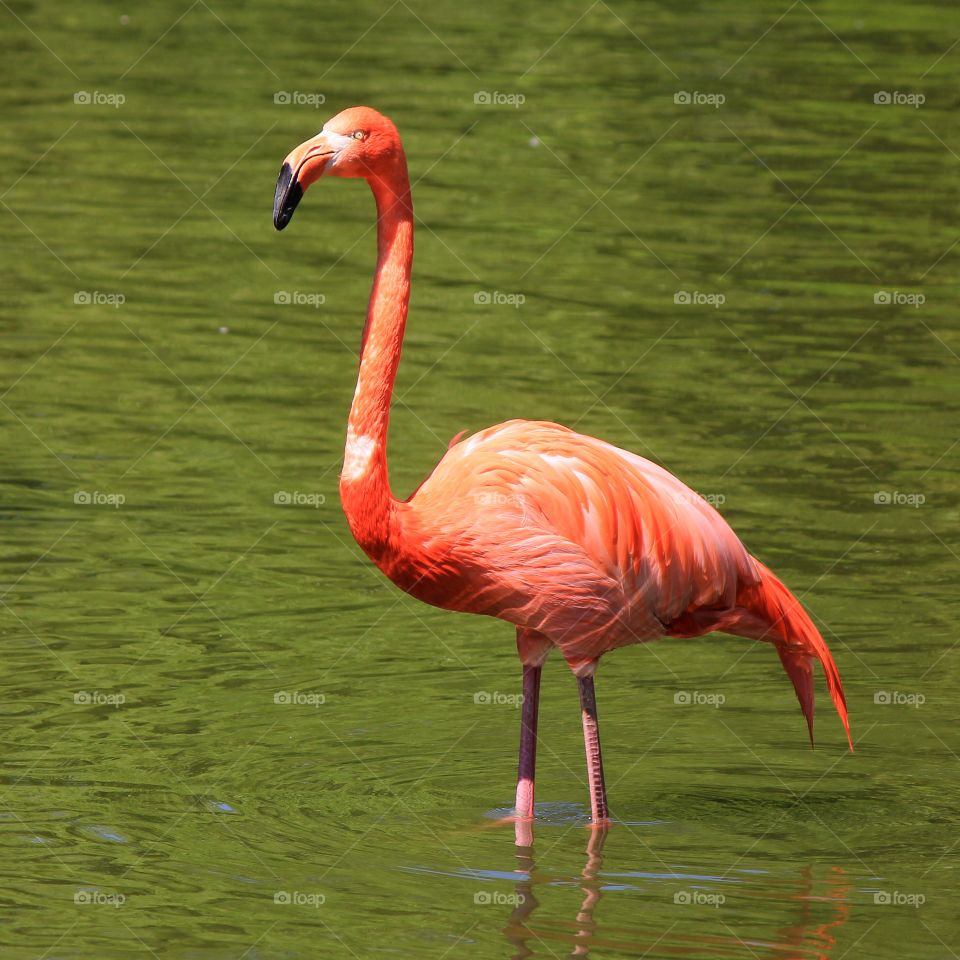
[225, 735]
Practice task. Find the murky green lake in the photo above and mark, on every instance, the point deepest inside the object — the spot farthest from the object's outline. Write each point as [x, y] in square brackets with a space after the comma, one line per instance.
[688, 229]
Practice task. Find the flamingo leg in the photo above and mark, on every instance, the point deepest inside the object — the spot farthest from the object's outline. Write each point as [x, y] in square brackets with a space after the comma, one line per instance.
[591, 743]
[526, 768]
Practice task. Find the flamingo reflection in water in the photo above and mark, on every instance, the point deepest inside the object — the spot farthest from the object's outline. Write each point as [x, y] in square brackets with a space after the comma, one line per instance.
[821, 908]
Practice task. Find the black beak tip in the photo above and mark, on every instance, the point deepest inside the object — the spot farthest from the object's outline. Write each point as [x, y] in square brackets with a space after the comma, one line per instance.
[286, 198]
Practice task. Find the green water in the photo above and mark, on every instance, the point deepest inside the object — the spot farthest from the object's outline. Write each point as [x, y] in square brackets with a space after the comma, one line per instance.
[213, 704]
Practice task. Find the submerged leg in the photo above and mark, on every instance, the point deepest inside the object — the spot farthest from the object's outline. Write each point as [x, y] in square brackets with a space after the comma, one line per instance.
[526, 769]
[533, 648]
[591, 743]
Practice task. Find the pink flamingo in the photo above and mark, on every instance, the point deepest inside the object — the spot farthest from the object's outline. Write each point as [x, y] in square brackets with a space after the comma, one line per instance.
[581, 545]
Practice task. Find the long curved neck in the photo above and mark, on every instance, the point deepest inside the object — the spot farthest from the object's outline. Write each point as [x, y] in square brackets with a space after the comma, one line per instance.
[364, 484]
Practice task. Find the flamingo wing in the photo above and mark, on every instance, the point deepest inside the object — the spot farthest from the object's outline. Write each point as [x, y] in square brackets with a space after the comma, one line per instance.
[565, 534]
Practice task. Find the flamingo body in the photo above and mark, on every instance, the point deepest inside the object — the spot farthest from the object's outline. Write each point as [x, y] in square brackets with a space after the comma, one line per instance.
[584, 547]
[561, 533]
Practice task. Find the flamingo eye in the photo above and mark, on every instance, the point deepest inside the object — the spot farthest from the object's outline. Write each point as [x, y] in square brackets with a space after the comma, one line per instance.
[359, 135]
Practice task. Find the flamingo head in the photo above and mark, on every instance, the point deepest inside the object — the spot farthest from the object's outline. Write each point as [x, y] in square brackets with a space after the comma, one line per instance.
[358, 142]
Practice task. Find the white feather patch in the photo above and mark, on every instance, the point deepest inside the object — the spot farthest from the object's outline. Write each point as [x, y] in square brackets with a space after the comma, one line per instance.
[358, 455]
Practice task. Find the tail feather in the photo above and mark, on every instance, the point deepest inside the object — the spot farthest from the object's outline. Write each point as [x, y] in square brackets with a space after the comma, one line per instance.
[798, 641]
[799, 668]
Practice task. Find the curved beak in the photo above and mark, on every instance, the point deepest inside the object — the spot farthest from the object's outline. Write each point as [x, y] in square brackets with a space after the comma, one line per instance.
[288, 195]
[303, 166]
